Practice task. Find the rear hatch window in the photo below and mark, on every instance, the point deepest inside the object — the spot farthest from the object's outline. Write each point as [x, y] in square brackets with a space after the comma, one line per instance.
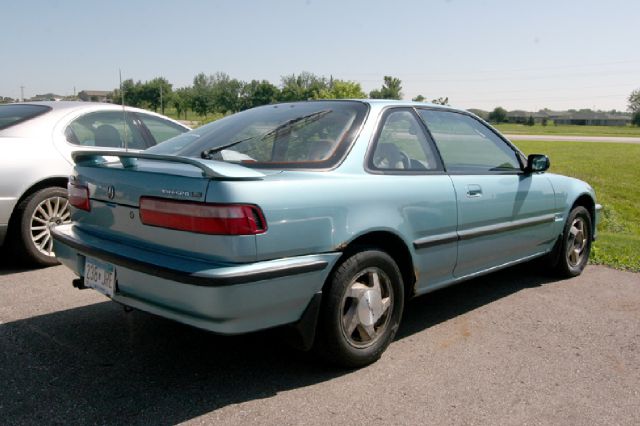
[309, 135]
[17, 113]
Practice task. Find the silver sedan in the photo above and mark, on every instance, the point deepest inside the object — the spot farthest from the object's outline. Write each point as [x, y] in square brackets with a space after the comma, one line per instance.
[36, 142]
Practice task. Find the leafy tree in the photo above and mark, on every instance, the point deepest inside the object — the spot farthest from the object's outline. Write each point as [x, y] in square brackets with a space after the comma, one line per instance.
[225, 93]
[132, 93]
[391, 89]
[6, 100]
[258, 93]
[498, 115]
[303, 86]
[441, 101]
[634, 101]
[181, 100]
[156, 93]
[530, 121]
[545, 121]
[419, 98]
[201, 100]
[635, 120]
[341, 89]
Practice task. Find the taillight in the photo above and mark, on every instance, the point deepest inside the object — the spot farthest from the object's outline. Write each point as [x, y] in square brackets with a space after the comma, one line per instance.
[204, 218]
[78, 196]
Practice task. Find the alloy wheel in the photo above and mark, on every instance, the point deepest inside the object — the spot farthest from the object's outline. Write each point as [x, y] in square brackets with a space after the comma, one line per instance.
[578, 241]
[367, 307]
[49, 213]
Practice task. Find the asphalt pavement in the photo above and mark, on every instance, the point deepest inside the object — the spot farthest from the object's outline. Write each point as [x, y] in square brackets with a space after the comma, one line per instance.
[513, 347]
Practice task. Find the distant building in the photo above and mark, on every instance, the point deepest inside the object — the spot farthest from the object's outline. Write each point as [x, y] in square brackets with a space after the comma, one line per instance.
[95, 95]
[522, 117]
[579, 118]
[592, 118]
[47, 97]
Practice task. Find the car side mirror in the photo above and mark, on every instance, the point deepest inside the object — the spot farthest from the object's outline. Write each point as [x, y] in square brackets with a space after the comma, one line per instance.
[537, 163]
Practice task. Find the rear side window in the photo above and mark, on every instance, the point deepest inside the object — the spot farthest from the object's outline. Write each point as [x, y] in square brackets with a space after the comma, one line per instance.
[468, 146]
[160, 129]
[17, 113]
[402, 145]
[105, 129]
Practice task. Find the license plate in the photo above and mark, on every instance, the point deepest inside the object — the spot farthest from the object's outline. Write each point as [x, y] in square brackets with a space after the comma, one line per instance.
[100, 276]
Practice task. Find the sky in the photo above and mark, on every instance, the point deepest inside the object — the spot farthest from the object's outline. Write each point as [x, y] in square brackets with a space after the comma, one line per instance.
[481, 54]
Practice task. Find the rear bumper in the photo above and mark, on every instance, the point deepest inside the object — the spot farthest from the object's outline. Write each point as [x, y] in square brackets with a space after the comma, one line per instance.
[224, 298]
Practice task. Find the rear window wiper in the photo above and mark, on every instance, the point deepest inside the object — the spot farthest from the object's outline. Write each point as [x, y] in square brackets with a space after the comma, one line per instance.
[207, 154]
[309, 118]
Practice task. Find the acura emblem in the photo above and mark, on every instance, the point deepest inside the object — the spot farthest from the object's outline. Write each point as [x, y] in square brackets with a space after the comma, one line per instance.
[111, 192]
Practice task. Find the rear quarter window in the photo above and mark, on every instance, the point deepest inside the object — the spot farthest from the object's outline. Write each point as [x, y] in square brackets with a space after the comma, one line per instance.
[13, 114]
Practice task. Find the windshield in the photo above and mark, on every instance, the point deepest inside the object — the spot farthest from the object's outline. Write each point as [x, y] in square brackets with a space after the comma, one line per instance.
[313, 134]
[17, 113]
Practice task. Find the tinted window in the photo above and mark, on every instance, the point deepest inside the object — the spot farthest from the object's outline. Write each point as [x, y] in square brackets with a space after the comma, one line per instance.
[105, 129]
[160, 129]
[294, 135]
[17, 113]
[402, 144]
[467, 145]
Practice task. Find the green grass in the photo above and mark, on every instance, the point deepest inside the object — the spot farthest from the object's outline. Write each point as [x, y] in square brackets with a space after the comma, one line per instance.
[568, 130]
[194, 119]
[612, 169]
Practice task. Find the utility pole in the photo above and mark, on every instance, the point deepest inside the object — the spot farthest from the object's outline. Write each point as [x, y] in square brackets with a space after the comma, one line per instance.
[161, 108]
[21, 93]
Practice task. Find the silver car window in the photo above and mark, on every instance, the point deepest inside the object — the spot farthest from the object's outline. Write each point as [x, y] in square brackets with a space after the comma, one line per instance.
[104, 129]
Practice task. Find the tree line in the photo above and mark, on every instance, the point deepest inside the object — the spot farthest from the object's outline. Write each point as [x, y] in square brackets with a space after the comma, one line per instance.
[220, 93]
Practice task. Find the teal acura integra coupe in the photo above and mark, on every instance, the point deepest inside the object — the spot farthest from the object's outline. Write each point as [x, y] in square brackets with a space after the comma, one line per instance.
[325, 216]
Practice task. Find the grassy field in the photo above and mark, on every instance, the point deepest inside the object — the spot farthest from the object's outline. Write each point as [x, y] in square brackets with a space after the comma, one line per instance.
[612, 169]
[568, 130]
[195, 119]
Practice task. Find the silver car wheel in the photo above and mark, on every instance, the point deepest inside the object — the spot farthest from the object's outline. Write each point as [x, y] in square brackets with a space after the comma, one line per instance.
[367, 307]
[578, 241]
[49, 213]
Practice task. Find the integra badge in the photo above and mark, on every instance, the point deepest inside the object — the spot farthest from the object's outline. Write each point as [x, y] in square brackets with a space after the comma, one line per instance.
[183, 194]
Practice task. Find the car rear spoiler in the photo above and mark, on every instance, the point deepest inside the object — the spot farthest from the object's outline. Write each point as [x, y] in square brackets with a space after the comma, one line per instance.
[210, 168]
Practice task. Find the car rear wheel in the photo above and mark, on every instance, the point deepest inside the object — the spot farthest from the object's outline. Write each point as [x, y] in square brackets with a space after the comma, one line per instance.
[36, 215]
[576, 243]
[361, 309]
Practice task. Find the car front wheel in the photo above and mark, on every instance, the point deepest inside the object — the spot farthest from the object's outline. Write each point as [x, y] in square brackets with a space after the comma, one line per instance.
[36, 215]
[576, 243]
[361, 310]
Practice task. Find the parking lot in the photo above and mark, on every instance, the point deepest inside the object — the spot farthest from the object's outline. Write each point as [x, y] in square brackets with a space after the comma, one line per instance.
[513, 347]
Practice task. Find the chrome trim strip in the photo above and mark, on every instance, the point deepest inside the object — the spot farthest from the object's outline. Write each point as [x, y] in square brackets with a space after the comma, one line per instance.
[505, 226]
[449, 237]
[435, 240]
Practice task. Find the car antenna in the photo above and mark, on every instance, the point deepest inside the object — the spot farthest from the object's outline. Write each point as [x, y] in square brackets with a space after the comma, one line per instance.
[124, 113]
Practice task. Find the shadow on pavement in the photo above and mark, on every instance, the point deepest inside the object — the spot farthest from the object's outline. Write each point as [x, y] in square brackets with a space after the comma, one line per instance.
[98, 364]
[10, 264]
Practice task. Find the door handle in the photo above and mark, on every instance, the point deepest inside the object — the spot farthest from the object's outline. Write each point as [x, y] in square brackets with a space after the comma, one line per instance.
[474, 191]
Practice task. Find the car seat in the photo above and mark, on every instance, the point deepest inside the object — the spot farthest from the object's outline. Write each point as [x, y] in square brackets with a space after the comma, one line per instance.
[106, 135]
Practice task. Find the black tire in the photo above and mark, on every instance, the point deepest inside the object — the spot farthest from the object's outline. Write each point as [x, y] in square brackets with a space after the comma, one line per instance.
[575, 246]
[32, 246]
[343, 338]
